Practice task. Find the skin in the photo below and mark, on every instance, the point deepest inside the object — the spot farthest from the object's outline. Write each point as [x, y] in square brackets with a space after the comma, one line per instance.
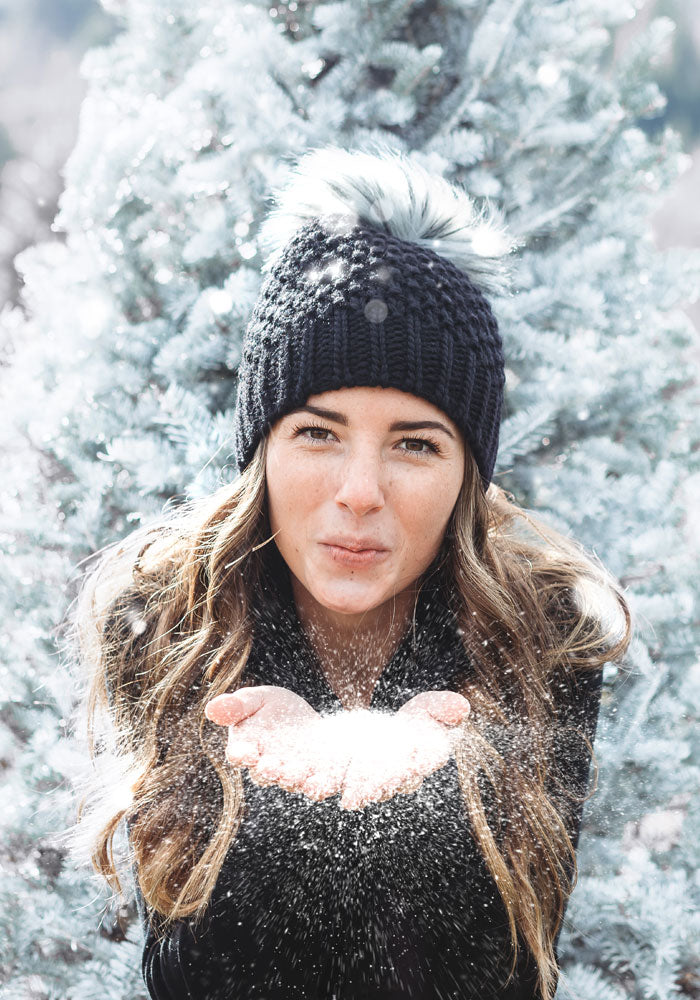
[352, 475]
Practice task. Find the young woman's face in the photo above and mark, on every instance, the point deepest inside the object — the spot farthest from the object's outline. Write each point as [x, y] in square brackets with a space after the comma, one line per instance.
[356, 475]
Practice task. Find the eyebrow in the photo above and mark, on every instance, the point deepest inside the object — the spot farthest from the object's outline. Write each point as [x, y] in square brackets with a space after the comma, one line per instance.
[398, 425]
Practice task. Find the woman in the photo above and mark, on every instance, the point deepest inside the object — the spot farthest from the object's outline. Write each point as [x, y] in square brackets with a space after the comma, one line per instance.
[354, 693]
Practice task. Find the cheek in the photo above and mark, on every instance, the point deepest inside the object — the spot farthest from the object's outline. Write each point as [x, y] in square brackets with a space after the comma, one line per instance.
[423, 516]
[294, 490]
[423, 512]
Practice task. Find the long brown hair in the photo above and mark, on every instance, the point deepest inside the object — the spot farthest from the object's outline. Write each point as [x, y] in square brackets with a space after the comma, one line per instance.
[164, 623]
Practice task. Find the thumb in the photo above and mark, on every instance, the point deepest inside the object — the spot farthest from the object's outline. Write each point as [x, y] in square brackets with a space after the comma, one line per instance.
[229, 709]
[447, 707]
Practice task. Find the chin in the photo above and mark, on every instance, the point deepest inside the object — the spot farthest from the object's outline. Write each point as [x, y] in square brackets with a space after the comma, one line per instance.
[351, 596]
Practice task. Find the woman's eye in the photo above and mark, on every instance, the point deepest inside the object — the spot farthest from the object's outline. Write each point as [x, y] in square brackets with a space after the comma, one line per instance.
[302, 430]
[428, 448]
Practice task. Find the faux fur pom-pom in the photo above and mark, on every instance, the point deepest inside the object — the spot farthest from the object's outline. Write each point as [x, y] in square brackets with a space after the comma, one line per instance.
[386, 188]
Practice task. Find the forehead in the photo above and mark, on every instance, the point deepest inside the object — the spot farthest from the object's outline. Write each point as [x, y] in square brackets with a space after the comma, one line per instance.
[379, 402]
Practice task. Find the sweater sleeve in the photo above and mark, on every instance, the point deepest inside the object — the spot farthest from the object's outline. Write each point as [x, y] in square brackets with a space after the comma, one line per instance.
[162, 965]
[578, 708]
[577, 712]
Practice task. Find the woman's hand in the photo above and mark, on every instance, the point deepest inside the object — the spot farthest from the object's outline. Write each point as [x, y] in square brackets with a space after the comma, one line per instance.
[369, 756]
[281, 739]
[400, 750]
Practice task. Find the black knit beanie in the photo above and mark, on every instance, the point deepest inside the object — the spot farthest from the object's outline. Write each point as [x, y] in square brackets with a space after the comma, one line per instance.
[349, 301]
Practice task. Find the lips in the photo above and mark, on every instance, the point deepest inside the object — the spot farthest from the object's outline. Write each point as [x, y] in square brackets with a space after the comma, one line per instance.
[355, 544]
[355, 557]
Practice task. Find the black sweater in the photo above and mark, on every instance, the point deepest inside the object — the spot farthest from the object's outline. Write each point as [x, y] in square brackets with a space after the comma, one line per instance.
[394, 900]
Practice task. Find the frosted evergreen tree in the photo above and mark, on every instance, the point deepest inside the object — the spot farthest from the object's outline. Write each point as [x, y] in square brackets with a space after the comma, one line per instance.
[120, 383]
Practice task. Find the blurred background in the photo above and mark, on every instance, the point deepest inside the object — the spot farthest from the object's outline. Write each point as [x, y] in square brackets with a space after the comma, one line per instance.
[41, 46]
[42, 43]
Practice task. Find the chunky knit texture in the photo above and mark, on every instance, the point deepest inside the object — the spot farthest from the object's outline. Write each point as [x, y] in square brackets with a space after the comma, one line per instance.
[347, 304]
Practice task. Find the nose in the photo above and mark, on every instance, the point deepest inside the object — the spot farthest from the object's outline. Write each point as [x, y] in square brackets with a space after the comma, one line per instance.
[360, 486]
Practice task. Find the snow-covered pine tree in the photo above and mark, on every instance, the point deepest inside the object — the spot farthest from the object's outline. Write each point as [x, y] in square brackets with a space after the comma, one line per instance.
[120, 389]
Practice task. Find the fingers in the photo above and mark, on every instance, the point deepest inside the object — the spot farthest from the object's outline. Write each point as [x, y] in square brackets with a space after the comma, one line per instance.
[447, 707]
[400, 772]
[415, 770]
[276, 744]
[243, 753]
[326, 778]
[271, 769]
[415, 776]
[281, 764]
[296, 762]
[367, 756]
[327, 754]
[295, 776]
[411, 786]
[428, 758]
[230, 709]
[281, 705]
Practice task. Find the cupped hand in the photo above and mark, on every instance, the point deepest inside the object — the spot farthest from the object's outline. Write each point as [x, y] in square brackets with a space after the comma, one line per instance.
[400, 750]
[369, 756]
[281, 739]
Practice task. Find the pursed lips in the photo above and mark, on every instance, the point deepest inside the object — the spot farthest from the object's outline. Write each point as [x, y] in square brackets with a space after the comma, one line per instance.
[355, 545]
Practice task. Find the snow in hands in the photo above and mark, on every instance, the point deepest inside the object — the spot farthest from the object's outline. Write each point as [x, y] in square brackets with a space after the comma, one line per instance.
[367, 756]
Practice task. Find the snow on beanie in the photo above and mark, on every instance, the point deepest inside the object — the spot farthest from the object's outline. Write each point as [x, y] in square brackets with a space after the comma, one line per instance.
[376, 277]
